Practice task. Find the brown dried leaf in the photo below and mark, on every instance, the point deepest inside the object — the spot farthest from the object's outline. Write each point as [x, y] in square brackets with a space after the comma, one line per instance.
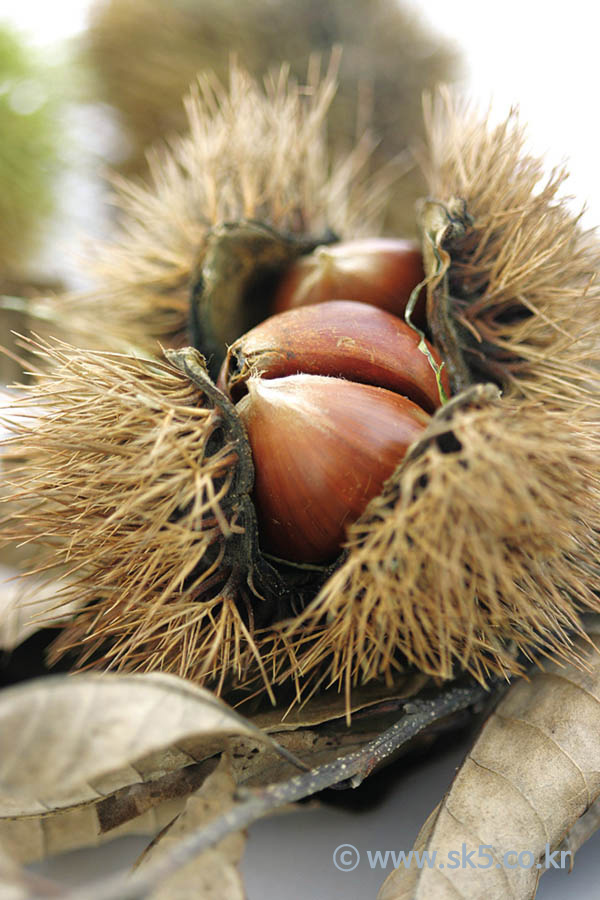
[249, 805]
[33, 832]
[317, 732]
[59, 733]
[258, 765]
[214, 873]
[331, 705]
[144, 797]
[534, 770]
[151, 793]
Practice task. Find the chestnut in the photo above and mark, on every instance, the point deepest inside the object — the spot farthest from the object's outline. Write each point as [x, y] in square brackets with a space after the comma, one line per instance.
[331, 397]
[380, 271]
[322, 447]
[341, 338]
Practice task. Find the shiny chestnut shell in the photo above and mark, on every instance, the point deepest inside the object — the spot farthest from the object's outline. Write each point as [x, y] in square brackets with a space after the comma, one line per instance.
[340, 338]
[322, 447]
[380, 271]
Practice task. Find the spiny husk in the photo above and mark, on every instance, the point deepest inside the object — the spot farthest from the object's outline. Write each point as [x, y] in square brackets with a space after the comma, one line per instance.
[121, 476]
[147, 52]
[484, 543]
[249, 154]
[486, 536]
[524, 277]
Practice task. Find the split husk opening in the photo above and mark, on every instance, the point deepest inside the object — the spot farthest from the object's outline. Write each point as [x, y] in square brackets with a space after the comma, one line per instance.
[482, 548]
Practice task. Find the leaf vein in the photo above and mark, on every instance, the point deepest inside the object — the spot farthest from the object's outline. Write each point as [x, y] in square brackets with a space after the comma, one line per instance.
[466, 830]
[534, 726]
[517, 789]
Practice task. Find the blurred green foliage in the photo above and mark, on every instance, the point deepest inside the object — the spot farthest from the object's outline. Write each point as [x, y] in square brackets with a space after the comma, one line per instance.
[28, 151]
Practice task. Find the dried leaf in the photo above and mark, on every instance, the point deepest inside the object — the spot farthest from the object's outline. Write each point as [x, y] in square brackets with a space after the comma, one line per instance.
[534, 770]
[582, 831]
[33, 832]
[250, 805]
[214, 873]
[255, 764]
[59, 733]
[142, 798]
[329, 706]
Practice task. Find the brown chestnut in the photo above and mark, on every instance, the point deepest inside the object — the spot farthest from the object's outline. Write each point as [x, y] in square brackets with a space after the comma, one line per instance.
[340, 338]
[331, 397]
[380, 271]
[322, 448]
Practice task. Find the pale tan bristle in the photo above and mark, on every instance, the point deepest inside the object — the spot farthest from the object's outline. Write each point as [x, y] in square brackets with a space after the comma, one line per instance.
[525, 277]
[480, 552]
[250, 153]
[483, 543]
[114, 477]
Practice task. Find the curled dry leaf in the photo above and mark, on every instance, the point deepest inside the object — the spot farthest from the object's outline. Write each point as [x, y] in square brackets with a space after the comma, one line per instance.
[249, 805]
[330, 705]
[33, 831]
[317, 731]
[142, 798]
[534, 770]
[213, 874]
[59, 733]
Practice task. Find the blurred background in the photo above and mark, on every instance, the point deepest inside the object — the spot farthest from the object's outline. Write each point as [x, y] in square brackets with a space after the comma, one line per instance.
[87, 85]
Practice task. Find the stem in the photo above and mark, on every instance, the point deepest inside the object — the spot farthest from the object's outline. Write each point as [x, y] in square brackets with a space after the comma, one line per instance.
[252, 804]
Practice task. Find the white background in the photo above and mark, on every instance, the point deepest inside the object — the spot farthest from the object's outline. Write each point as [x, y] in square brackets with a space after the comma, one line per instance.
[543, 57]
